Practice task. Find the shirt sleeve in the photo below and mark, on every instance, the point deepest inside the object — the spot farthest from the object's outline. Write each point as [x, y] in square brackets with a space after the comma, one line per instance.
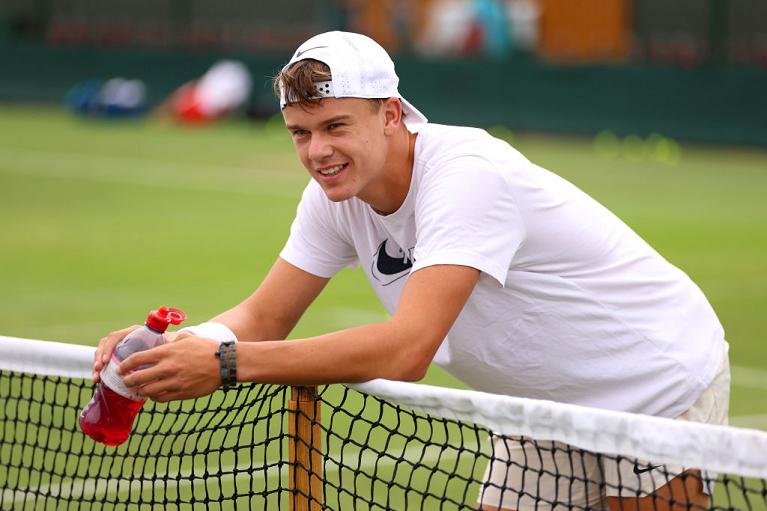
[316, 243]
[466, 215]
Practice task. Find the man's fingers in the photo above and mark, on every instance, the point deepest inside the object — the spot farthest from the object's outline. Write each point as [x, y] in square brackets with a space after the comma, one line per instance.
[164, 397]
[159, 390]
[141, 377]
[130, 364]
[164, 373]
[106, 347]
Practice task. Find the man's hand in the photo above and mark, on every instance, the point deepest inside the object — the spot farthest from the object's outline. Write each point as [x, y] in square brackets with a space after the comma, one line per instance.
[107, 346]
[183, 369]
[105, 349]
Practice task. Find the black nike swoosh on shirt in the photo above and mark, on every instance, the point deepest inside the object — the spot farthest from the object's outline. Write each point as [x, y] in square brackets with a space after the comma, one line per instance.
[638, 470]
[389, 265]
[299, 53]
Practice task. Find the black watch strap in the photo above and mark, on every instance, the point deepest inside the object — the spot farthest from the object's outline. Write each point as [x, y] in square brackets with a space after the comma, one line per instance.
[227, 357]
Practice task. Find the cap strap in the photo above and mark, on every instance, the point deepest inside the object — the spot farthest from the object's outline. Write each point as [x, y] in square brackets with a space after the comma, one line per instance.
[322, 90]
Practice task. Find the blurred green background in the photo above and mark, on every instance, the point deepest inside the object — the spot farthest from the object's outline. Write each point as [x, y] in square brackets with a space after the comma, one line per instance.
[101, 222]
[655, 108]
[688, 69]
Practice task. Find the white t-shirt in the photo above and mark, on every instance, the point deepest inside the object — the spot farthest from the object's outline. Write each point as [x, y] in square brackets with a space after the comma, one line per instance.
[571, 304]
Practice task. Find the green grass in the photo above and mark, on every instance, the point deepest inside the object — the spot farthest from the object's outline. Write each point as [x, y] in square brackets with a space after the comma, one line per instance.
[100, 222]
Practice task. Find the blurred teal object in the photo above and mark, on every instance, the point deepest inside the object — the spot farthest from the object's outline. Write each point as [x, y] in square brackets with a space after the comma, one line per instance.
[491, 15]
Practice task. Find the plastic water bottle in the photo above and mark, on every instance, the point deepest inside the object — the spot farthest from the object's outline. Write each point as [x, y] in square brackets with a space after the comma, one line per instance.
[108, 418]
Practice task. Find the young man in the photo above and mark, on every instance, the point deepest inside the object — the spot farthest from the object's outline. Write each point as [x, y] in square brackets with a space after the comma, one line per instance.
[501, 272]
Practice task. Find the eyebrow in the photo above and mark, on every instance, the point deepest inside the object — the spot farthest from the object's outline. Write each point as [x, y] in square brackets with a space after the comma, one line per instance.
[343, 117]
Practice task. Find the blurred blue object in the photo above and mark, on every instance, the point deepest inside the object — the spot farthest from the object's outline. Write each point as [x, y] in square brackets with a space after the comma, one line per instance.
[82, 97]
[491, 15]
[113, 98]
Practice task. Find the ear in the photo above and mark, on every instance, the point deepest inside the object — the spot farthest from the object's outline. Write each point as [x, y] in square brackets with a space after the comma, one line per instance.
[392, 115]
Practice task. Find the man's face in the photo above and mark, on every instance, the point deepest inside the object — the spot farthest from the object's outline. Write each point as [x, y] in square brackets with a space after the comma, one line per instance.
[342, 143]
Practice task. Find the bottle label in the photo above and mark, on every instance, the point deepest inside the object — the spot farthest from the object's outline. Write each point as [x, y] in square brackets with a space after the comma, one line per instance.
[112, 379]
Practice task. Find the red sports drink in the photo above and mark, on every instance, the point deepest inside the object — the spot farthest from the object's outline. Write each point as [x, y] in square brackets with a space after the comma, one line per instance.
[108, 418]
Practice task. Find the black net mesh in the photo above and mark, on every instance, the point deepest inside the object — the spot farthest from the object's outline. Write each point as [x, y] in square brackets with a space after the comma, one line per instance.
[231, 450]
[225, 451]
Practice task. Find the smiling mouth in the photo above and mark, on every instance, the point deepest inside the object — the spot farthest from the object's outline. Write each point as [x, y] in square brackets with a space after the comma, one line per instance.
[332, 171]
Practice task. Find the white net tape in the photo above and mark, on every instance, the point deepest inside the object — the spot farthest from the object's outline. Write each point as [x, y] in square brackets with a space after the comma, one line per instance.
[714, 448]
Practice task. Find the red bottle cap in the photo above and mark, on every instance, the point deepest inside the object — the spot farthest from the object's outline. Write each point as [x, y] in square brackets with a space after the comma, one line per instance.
[160, 319]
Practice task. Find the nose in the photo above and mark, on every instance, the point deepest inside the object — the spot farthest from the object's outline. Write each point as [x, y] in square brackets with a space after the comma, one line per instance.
[319, 148]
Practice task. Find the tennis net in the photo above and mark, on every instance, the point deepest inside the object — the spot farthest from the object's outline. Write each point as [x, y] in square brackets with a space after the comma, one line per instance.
[379, 445]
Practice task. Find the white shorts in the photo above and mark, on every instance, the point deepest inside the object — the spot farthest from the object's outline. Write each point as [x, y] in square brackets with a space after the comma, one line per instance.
[526, 475]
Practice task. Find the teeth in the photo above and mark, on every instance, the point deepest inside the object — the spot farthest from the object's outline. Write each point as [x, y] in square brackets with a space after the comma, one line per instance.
[332, 170]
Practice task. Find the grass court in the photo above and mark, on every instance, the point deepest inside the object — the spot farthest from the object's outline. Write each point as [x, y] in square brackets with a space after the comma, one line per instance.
[103, 221]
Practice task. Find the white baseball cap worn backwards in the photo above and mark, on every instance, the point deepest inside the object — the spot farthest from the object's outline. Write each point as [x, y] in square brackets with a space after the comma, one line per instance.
[359, 66]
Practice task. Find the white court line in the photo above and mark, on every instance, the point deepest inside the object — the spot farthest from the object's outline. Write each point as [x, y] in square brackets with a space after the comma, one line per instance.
[757, 421]
[161, 174]
[79, 157]
[46, 163]
[339, 318]
[749, 377]
[75, 488]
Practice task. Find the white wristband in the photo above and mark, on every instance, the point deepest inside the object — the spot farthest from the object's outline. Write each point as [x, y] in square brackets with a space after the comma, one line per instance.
[211, 330]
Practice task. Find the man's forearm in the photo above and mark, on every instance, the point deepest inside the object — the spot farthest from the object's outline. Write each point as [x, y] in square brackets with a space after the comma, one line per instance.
[377, 350]
[398, 349]
[248, 326]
